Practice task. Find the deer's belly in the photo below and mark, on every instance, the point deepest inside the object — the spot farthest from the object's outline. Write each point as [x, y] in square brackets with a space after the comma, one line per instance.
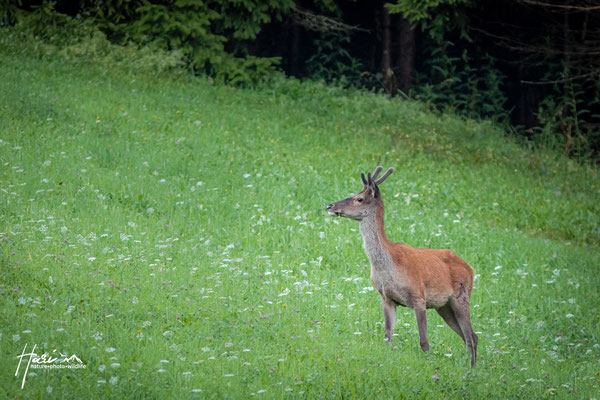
[436, 299]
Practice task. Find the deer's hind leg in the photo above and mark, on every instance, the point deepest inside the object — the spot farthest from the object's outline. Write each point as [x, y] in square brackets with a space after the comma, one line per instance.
[461, 309]
[448, 315]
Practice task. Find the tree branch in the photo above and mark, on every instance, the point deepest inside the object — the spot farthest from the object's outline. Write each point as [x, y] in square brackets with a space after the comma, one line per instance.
[561, 6]
[321, 23]
[512, 44]
[573, 78]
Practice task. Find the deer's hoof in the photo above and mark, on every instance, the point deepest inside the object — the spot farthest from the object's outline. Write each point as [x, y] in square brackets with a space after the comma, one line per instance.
[425, 346]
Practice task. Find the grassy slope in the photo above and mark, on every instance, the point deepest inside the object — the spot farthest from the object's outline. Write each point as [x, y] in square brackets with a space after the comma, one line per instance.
[172, 234]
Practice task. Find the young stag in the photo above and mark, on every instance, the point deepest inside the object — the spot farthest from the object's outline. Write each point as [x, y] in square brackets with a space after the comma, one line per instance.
[409, 277]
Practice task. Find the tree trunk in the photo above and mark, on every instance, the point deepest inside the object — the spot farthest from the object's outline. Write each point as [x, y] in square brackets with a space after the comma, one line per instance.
[376, 41]
[569, 115]
[386, 57]
[294, 66]
[406, 55]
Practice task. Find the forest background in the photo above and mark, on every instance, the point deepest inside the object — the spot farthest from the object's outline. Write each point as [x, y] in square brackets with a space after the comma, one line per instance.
[531, 66]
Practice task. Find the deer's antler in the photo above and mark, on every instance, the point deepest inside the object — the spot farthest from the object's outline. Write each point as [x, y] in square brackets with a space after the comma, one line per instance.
[377, 171]
[384, 177]
[362, 176]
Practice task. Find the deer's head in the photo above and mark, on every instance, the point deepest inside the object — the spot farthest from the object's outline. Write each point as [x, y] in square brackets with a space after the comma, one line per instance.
[362, 204]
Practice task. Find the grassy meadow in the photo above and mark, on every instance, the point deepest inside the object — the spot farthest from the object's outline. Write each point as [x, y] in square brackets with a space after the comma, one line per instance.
[172, 234]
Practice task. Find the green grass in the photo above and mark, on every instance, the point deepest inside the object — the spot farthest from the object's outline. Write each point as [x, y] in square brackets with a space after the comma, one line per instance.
[172, 234]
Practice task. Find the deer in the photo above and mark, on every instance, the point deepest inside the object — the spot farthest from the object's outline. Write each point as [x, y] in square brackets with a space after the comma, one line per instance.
[410, 277]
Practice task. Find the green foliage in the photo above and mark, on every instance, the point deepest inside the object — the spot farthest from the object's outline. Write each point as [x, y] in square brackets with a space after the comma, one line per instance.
[212, 35]
[9, 12]
[436, 17]
[44, 19]
[332, 62]
[566, 122]
[458, 80]
[328, 6]
[568, 114]
[201, 31]
[181, 25]
[243, 19]
[241, 71]
[113, 16]
[80, 42]
[469, 86]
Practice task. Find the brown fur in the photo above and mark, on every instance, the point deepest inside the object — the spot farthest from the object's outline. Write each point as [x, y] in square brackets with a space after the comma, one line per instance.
[408, 276]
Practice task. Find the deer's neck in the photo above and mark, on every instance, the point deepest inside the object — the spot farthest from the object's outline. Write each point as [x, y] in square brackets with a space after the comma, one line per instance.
[375, 240]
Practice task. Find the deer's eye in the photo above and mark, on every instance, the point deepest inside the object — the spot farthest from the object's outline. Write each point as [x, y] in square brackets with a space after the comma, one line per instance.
[359, 199]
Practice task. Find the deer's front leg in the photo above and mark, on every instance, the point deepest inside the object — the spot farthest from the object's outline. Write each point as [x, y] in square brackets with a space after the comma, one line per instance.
[389, 312]
[421, 315]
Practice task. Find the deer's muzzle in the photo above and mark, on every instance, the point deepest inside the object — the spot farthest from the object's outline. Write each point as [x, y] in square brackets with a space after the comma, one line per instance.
[332, 211]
